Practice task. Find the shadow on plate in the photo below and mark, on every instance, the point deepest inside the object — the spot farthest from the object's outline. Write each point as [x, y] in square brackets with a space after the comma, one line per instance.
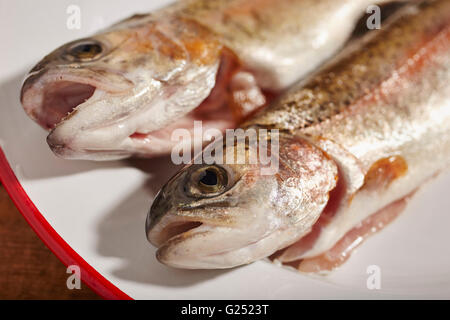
[122, 233]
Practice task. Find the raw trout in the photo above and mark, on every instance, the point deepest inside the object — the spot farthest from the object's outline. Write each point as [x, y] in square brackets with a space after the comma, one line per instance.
[355, 142]
[124, 90]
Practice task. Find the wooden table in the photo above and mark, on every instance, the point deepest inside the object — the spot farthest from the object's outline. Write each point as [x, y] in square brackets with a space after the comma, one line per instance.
[28, 269]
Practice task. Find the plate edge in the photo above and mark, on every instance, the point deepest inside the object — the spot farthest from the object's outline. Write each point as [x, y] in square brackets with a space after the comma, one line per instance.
[51, 238]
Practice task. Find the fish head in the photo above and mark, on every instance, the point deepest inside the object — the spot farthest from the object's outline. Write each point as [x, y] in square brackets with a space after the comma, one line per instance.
[98, 96]
[215, 216]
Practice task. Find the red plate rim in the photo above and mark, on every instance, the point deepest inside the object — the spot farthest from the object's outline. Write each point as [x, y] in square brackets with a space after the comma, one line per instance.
[51, 238]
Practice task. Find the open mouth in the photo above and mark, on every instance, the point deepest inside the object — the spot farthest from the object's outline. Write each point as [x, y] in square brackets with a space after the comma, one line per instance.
[174, 230]
[50, 103]
[49, 96]
[59, 101]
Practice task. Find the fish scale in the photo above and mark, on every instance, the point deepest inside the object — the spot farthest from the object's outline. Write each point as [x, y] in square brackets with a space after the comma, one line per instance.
[357, 75]
[356, 141]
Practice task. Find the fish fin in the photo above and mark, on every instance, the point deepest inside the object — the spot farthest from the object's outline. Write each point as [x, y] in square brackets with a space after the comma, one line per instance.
[344, 248]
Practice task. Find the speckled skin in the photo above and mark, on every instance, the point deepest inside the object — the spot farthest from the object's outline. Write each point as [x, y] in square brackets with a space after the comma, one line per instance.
[388, 98]
[380, 113]
[279, 40]
[345, 84]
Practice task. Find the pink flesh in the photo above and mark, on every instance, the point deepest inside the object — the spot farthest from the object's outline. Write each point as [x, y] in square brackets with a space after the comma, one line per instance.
[343, 249]
[60, 99]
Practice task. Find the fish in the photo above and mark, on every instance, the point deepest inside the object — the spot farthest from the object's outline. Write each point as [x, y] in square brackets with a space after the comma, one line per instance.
[123, 91]
[355, 142]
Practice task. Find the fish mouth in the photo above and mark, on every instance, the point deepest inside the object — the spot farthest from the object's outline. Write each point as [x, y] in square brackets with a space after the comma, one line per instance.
[60, 100]
[171, 242]
[51, 96]
[192, 243]
[164, 228]
[172, 232]
[196, 245]
[58, 97]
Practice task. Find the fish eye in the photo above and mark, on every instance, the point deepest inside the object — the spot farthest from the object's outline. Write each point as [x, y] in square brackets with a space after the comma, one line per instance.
[86, 50]
[208, 181]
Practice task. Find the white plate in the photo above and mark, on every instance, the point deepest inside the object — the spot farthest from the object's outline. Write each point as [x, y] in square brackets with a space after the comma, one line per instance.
[93, 214]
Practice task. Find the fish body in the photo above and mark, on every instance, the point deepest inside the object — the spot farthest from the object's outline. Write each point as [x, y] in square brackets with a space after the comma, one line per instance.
[123, 91]
[355, 142]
